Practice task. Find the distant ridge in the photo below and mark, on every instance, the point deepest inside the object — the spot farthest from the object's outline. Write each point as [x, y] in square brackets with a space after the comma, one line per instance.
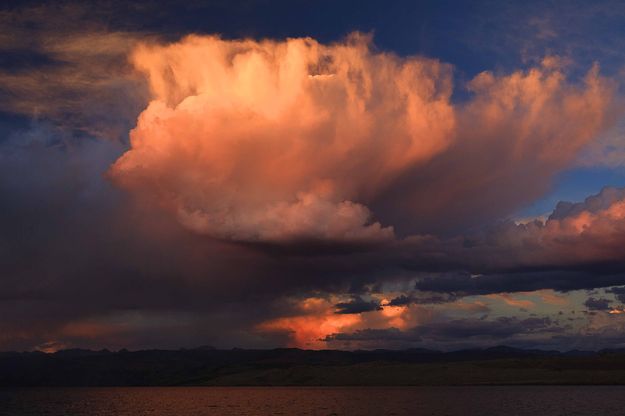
[290, 366]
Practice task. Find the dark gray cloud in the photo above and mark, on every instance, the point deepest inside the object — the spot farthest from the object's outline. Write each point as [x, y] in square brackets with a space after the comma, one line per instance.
[401, 300]
[76, 253]
[422, 298]
[619, 293]
[593, 203]
[498, 328]
[453, 333]
[385, 334]
[465, 283]
[597, 304]
[357, 305]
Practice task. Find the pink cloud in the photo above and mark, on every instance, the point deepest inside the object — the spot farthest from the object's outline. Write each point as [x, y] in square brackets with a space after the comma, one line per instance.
[272, 141]
[275, 141]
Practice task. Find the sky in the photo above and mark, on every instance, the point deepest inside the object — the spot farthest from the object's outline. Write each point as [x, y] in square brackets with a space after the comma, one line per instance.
[320, 175]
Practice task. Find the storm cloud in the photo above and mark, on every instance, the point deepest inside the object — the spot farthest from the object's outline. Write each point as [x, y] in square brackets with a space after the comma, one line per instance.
[167, 189]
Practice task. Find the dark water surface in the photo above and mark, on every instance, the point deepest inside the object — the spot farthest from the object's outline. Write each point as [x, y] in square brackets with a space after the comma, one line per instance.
[431, 401]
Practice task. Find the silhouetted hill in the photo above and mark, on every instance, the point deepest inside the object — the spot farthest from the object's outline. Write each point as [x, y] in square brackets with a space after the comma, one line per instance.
[288, 366]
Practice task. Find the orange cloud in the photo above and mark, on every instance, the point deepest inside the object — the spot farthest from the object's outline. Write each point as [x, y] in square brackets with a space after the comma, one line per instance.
[275, 141]
[51, 347]
[397, 316]
[317, 319]
[93, 329]
[550, 297]
[470, 307]
[513, 135]
[272, 141]
[512, 301]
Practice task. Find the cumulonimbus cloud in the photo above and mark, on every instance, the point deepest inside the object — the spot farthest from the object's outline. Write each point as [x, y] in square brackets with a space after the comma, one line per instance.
[275, 141]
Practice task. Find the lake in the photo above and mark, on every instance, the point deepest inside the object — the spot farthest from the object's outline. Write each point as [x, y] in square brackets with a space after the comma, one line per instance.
[430, 401]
